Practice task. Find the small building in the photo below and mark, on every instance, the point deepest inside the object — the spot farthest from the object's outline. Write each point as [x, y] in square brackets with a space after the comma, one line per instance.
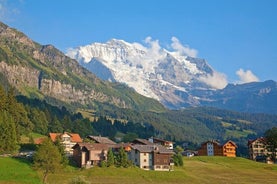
[151, 157]
[210, 148]
[165, 143]
[229, 149]
[213, 148]
[89, 154]
[257, 149]
[68, 140]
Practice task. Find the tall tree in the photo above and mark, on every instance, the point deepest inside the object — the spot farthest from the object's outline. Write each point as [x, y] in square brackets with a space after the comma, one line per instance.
[122, 160]
[39, 119]
[8, 138]
[47, 159]
[110, 158]
[271, 140]
[19, 114]
[61, 148]
[3, 98]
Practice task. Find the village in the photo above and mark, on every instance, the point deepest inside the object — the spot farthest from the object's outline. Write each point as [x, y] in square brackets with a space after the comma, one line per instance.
[148, 154]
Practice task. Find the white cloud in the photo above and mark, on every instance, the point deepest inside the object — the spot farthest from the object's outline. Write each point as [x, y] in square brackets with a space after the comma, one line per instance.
[216, 80]
[154, 50]
[181, 49]
[246, 76]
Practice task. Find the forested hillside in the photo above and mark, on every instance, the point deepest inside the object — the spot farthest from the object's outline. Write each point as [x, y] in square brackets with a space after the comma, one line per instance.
[21, 115]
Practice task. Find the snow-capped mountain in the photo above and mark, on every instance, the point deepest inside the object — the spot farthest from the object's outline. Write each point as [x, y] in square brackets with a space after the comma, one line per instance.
[155, 72]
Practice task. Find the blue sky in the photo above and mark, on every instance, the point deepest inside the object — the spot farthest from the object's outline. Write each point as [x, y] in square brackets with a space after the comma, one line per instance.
[236, 37]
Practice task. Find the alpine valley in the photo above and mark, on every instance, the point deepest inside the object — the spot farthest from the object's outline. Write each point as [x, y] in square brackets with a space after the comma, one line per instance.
[129, 89]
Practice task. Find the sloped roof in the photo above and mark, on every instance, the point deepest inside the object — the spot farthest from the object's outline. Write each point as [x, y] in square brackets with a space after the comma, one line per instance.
[231, 143]
[155, 139]
[260, 139]
[100, 139]
[74, 137]
[211, 141]
[39, 140]
[91, 146]
[142, 141]
[151, 148]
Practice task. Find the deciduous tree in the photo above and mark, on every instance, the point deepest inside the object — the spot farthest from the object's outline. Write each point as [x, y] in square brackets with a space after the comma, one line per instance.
[47, 159]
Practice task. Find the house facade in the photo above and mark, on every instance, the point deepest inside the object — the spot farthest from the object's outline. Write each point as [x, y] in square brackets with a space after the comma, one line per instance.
[151, 157]
[89, 154]
[229, 149]
[210, 148]
[213, 148]
[68, 140]
[257, 149]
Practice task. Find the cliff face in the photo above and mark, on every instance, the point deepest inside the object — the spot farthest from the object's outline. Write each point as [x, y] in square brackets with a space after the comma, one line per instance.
[43, 71]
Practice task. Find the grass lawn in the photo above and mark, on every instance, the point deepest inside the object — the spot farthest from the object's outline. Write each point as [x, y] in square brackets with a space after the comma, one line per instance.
[195, 170]
[13, 171]
[215, 170]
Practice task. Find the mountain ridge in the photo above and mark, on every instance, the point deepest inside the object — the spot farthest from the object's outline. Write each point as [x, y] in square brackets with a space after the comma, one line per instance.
[175, 79]
[42, 71]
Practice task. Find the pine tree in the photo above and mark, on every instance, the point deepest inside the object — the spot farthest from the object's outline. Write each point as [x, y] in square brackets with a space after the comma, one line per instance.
[122, 160]
[110, 158]
[271, 140]
[22, 123]
[3, 99]
[8, 137]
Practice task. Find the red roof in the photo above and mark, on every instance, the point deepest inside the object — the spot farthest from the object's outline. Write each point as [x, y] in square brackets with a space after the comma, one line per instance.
[39, 140]
[74, 137]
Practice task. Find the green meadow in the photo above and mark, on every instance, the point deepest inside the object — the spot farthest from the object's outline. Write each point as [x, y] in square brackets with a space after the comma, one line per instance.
[195, 170]
[17, 171]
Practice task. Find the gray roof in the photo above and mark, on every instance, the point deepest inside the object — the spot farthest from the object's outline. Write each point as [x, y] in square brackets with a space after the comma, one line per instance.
[102, 140]
[142, 141]
[92, 146]
[151, 148]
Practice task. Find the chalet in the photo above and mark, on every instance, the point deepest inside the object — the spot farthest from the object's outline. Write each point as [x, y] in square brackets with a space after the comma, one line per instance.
[151, 157]
[89, 154]
[68, 140]
[229, 149]
[257, 149]
[101, 140]
[210, 148]
[213, 148]
[167, 144]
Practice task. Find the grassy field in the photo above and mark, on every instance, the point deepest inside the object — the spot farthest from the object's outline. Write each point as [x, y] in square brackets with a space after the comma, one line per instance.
[13, 171]
[195, 170]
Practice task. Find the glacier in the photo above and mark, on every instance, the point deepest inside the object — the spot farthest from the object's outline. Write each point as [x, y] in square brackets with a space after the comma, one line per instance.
[170, 76]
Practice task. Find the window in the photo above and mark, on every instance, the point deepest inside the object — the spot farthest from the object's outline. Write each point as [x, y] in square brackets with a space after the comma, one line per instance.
[144, 160]
[144, 154]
